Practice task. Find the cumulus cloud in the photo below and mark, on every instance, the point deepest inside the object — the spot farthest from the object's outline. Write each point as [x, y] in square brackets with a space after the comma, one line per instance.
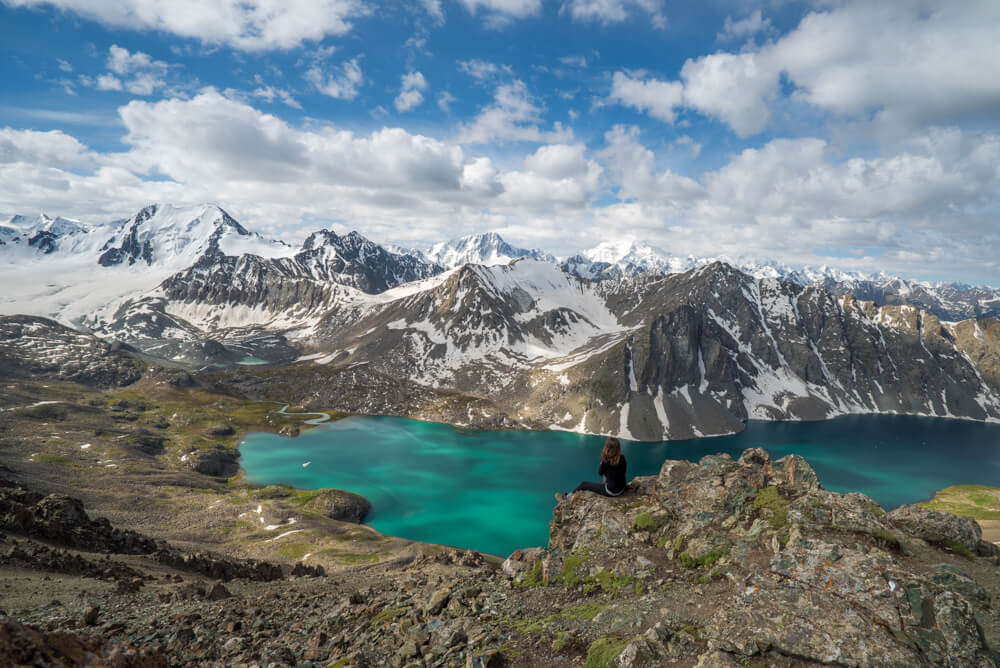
[614, 11]
[657, 98]
[138, 73]
[734, 88]
[49, 149]
[906, 65]
[410, 93]
[341, 83]
[912, 62]
[249, 25]
[512, 116]
[554, 176]
[633, 167]
[796, 200]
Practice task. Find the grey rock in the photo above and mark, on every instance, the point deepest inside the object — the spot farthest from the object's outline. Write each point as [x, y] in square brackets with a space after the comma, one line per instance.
[937, 527]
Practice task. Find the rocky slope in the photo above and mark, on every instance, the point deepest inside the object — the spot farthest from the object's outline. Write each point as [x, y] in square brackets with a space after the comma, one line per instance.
[716, 563]
[41, 348]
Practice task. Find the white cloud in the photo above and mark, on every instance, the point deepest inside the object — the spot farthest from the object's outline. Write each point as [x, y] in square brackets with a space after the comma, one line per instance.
[912, 62]
[745, 27]
[410, 95]
[138, 73]
[49, 149]
[554, 176]
[633, 167]
[614, 11]
[930, 202]
[483, 70]
[574, 61]
[269, 93]
[693, 146]
[444, 100]
[341, 84]
[905, 65]
[106, 82]
[64, 66]
[734, 88]
[657, 98]
[513, 115]
[433, 8]
[499, 13]
[250, 25]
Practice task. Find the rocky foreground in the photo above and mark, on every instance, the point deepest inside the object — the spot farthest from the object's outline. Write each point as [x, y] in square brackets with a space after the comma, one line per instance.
[719, 563]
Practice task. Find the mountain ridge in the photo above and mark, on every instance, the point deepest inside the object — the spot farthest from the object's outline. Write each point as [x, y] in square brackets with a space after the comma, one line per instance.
[650, 354]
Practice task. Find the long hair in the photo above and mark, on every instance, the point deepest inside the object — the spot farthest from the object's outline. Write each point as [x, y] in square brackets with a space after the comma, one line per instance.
[612, 452]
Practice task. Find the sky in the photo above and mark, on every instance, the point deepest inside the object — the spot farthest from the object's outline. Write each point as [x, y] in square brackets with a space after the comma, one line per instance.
[863, 135]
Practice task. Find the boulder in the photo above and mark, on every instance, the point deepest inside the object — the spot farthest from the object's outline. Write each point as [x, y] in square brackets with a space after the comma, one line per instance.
[938, 528]
[340, 505]
[217, 461]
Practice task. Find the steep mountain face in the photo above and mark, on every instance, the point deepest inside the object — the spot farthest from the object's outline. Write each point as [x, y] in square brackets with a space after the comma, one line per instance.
[473, 328]
[658, 357]
[488, 249]
[163, 233]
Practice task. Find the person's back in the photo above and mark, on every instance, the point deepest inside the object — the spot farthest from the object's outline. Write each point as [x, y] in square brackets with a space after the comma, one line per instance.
[614, 475]
[612, 470]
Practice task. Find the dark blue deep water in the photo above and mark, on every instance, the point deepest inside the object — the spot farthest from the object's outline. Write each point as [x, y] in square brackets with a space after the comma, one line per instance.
[493, 490]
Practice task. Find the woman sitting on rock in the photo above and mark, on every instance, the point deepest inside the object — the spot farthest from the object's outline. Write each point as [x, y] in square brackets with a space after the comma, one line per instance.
[612, 470]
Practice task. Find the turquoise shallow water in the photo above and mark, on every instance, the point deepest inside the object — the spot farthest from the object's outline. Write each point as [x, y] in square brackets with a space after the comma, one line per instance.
[493, 490]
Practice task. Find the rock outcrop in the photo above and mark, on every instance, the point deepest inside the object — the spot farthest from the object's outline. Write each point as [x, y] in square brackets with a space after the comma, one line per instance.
[42, 348]
[788, 571]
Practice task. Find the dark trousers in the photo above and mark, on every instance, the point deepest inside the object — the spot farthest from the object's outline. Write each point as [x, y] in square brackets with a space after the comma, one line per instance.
[595, 487]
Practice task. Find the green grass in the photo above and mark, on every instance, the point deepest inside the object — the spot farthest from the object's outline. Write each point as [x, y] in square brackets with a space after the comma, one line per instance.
[979, 502]
[645, 522]
[533, 578]
[704, 561]
[355, 559]
[957, 548]
[293, 550]
[584, 612]
[53, 459]
[769, 499]
[570, 576]
[386, 615]
[602, 652]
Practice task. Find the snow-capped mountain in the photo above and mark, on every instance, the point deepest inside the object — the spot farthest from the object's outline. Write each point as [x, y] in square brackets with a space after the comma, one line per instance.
[488, 249]
[646, 346]
[41, 233]
[163, 234]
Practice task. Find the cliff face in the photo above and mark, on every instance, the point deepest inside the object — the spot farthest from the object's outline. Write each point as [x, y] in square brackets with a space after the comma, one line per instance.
[752, 559]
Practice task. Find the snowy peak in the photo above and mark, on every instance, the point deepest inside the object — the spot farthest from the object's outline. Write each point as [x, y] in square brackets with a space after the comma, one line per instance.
[168, 235]
[487, 249]
[41, 233]
[628, 251]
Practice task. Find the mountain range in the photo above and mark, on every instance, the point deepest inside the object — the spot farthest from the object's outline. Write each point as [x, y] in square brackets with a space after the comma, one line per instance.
[620, 339]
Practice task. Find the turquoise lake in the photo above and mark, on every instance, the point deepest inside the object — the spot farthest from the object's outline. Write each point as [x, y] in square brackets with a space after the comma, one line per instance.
[492, 491]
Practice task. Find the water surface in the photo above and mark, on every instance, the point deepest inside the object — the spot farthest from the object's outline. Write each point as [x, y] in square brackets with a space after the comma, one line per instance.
[493, 490]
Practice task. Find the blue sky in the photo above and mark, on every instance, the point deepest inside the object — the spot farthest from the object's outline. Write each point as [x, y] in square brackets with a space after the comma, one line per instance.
[858, 134]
